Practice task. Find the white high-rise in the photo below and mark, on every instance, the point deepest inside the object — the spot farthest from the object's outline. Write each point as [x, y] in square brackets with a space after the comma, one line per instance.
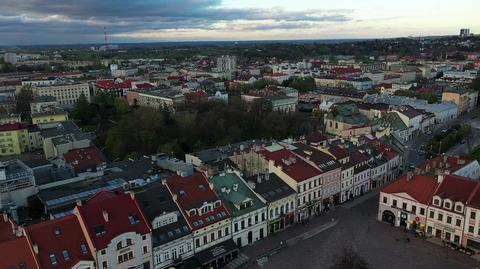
[226, 64]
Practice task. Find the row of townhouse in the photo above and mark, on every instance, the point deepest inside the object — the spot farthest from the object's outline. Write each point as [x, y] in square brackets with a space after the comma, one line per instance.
[436, 202]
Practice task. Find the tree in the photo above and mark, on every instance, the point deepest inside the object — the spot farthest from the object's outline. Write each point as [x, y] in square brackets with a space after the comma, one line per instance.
[24, 98]
[475, 85]
[348, 259]
[121, 105]
[82, 110]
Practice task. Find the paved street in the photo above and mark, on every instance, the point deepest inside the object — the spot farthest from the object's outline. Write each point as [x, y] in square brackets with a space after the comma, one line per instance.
[414, 155]
[381, 245]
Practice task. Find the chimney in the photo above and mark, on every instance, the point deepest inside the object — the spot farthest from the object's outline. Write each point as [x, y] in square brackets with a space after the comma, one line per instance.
[79, 202]
[35, 248]
[105, 215]
[174, 197]
[409, 176]
[439, 178]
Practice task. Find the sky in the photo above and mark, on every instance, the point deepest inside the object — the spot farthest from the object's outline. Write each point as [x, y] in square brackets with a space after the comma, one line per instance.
[32, 22]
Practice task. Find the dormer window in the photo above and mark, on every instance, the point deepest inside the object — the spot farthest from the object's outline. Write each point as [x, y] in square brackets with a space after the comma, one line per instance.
[217, 204]
[100, 230]
[133, 219]
[459, 208]
[83, 248]
[436, 202]
[56, 232]
[192, 212]
[66, 255]
[53, 259]
[447, 205]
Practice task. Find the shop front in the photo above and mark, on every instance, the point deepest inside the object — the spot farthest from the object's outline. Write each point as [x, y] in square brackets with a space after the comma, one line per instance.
[282, 222]
[219, 255]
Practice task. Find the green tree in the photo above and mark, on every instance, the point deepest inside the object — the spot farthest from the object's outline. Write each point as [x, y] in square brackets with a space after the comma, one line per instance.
[82, 111]
[121, 105]
[24, 98]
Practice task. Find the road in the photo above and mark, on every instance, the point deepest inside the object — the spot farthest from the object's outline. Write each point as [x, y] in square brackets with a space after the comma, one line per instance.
[415, 155]
[381, 245]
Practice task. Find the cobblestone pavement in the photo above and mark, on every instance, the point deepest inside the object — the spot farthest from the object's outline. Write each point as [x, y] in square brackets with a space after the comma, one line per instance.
[381, 245]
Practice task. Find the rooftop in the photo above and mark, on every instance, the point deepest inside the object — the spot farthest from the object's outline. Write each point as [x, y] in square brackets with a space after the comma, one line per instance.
[236, 194]
[83, 159]
[270, 187]
[420, 188]
[107, 215]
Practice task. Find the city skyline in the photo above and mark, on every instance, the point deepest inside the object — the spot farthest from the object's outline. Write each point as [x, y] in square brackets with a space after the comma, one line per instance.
[31, 22]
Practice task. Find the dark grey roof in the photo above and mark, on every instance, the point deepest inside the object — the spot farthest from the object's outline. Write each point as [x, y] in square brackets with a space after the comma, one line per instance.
[220, 153]
[61, 128]
[272, 189]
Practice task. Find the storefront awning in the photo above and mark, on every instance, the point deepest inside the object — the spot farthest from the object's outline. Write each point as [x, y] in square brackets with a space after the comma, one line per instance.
[210, 254]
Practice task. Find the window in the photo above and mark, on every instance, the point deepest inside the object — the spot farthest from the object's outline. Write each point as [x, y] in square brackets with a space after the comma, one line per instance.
[204, 239]
[449, 219]
[226, 231]
[145, 249]
[470, 229]
[133, 219]
[432, 214]
[447, 205]
[458, 222]
[197, 242]
[66, 255]
[235, 226]
[119, 245]
[104, 264]
[212, 237]
[440, 217]
[22, 266]
[458, 208]
[385, 200]
[422, 211]
[472, 215]
[102, 252]
[53, 259]
[129, 242]
[83, 248]
[414, 209]
[219, 233]
[394, 204]
[436, 202]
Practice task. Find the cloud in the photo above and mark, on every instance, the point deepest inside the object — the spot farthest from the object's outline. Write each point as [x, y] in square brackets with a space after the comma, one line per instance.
[71, 21]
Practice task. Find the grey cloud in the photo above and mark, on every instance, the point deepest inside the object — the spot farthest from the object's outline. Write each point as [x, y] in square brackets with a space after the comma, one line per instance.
[87, 17]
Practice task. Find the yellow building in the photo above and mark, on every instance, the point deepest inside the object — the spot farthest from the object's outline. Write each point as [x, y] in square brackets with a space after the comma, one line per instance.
[459, 96]
[56, 115]
[13, 139]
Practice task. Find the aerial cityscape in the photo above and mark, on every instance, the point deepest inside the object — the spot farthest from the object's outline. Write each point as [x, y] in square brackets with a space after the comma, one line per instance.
[239, 134]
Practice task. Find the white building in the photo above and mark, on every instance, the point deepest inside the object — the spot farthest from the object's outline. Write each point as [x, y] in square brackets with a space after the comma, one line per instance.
[172, 239]
[226, 64]
[65, 92]
[249, 212]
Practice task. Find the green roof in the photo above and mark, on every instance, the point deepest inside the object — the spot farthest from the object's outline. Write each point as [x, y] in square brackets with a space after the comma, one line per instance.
[225, 187]
[348, 113]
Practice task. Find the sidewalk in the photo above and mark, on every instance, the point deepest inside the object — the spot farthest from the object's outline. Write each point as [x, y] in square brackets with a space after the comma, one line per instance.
[292, 235]
[360, 199]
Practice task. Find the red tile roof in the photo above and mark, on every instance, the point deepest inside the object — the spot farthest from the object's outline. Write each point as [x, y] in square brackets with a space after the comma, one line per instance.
[118, 207]
[457, 189]
[109, 84]
[12, 126]
[56, 236]
[15, 252]
[189, 195]
[83, 159]
[338, 152]
[292, 165]
[420, 188]
[445, 163]
[144, 86]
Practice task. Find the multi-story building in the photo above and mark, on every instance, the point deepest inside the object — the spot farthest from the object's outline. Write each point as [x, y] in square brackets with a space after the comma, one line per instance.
[172, 240]
[451, 165]
[42, 103]
[169, 99]
[248, 211]
[54, 115]
[405, 201]
[116, 230]
[60, 243]
[226, 64]
[66, 92]
[13, 139]
[471, 232]
[331, 172]
[412, 119]
[459, 96]
[361, 173]
[345, 120]
[280, 199]
[207, 217]
[16, 184]
[447, 210]
[342, 156]
[301, 176]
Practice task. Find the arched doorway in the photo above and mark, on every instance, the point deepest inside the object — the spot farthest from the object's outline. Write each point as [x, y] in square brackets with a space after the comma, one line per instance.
[250, 237]
[388, 217]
